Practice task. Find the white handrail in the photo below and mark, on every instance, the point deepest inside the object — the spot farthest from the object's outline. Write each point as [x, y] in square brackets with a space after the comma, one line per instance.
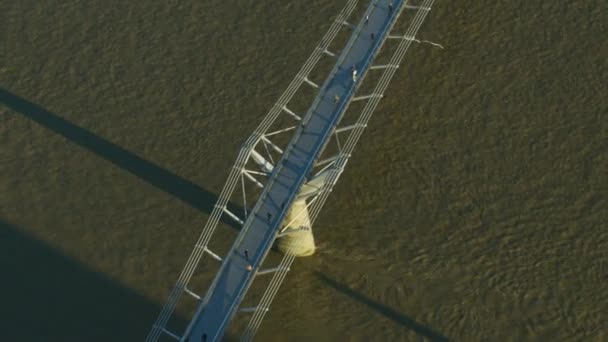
[352, 140]
[240, 162]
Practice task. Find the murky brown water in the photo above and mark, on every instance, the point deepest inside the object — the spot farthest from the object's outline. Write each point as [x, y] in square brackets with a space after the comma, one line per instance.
[474, 208]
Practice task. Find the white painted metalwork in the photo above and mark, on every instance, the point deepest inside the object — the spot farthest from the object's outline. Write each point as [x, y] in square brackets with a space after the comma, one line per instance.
[253, 179]
[197, 297]
[312, 84]
[416, 40]
[213, 255]
[333, 167]
[365, 97]
[428, 42]
[340, 163]
[236, 173]
[253, 309]
[347, 24]
[288, 111]
[348, 128]
[233, 216]
[270, 270]
[329, 53]
[282, 130]
[383, 66]
[170, 334]
[274, 147]
[327, 160]
[265, 174]
[416, 7]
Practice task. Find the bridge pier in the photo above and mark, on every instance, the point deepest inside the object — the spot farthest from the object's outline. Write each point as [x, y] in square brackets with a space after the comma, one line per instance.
[298, 238]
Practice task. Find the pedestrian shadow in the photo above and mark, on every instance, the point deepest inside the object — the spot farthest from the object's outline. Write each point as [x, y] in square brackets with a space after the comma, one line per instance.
[384, 310]
[47, 296]
[183, 189]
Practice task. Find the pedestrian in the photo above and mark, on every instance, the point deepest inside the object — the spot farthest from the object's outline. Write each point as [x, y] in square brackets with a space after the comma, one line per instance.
[269, 215]
[390, 7]
[249, 268]
[366, 19]
[336, 99]
[354, 75]
[372, 35]
[247, 255]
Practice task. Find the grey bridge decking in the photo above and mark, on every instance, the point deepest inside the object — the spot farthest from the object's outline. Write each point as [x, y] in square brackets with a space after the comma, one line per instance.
[262, 225]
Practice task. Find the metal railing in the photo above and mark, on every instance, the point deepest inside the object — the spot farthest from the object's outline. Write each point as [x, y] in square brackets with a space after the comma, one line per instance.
[242, 158]
[341, 161]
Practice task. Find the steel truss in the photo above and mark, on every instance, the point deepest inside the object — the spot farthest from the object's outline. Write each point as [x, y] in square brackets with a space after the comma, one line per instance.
[260, 151]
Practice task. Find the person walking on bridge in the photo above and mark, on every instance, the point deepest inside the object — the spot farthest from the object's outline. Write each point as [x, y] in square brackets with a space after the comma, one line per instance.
[249, 268]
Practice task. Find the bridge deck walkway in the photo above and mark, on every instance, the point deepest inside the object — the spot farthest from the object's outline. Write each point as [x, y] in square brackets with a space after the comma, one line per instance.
[260, 228]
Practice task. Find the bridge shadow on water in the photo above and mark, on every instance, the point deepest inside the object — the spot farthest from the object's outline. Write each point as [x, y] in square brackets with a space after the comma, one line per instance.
[188, 192]
[46, 296]
[386, 311]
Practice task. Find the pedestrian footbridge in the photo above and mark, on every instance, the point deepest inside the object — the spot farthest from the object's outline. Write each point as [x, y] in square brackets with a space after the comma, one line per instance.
[285, 171]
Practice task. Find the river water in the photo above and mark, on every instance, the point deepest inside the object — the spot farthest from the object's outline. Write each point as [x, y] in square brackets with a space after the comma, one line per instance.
[474, 207]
